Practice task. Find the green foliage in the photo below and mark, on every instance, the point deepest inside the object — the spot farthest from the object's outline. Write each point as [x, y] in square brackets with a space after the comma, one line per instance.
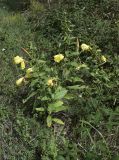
[23, 138]
[95, 22]
[86, 91]
[17, 5]
[80, 103]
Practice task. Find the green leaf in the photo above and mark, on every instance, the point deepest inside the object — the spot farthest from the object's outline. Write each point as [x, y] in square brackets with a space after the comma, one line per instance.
[75, 53]
[69, 96]
[45, 98]
[71, 54]
[56, 104]
[74, 64]
[75, 87]
[30, 96]
[40, 109]
[59, 94]
[60, 157]
[56, 107]
[41, 61]
[59, 109]
[57, 120]
[77, 79]
[34, 82]
[49, 121]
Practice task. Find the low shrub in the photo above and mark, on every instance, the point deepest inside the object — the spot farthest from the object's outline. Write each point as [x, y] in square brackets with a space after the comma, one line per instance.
[79, 82]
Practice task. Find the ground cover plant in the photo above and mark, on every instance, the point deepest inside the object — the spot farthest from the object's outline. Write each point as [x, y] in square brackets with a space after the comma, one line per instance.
[59, 80]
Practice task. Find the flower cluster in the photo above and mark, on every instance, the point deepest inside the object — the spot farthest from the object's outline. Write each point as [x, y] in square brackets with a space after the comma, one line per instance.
[85, 47]
[28, 74]
[20, 60]
[54, 87]
[57, 58]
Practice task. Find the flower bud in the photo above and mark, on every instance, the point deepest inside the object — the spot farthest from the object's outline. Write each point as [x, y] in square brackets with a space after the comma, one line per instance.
[103, 59]
[20, 81]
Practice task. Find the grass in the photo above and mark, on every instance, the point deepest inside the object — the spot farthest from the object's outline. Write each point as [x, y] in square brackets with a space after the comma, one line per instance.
[14, 34]
[24, 138]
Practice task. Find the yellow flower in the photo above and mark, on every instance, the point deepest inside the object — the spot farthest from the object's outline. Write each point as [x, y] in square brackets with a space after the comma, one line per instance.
[23, 65]
[103, 58]
[18, 60]
[58, 58]
[20, 81]
[85, 47]
[28, 72]
[50, 82]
